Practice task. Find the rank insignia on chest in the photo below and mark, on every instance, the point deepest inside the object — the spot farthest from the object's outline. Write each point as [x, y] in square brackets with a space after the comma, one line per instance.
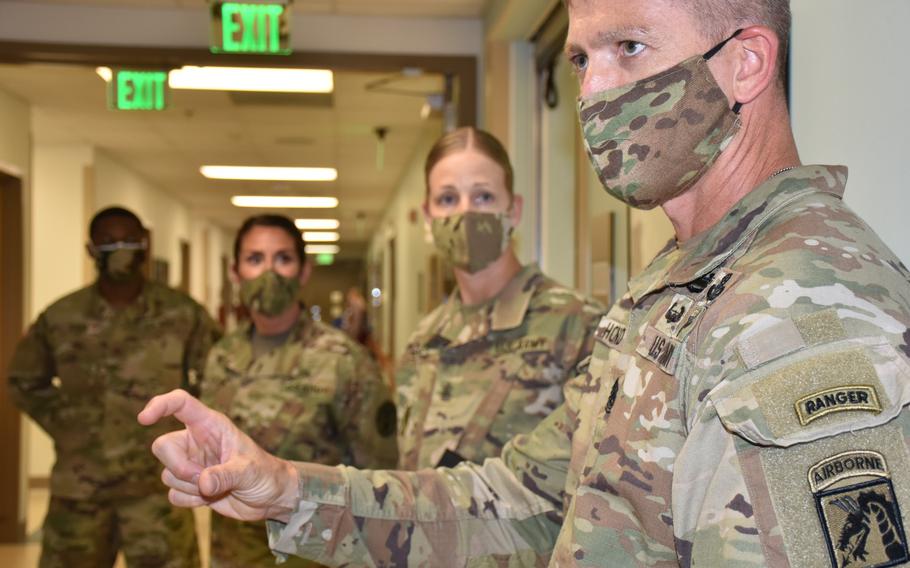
[858, 510]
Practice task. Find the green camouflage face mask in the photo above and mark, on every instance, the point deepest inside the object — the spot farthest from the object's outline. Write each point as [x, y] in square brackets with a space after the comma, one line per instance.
[472, 240]
[120, 261]
[651, 140]
[270, 294]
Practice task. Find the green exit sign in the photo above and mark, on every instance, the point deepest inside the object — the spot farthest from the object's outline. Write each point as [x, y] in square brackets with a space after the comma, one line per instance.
[137, 90]
[261, 28]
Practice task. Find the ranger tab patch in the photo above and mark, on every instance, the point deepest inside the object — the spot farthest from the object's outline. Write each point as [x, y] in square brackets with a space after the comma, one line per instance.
[858, 511]
[838, 399]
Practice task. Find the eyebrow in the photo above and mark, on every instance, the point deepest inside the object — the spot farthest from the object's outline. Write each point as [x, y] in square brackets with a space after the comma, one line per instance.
[607, 37]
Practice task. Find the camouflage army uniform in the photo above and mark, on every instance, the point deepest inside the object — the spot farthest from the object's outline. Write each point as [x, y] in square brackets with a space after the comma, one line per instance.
[473, 377]
[318, 397]
[82, 372]
[744, 406]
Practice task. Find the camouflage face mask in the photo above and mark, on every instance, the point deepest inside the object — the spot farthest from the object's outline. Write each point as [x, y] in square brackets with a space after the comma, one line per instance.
[270, 294]
[651, 140]
[472, 240]
[120, 261]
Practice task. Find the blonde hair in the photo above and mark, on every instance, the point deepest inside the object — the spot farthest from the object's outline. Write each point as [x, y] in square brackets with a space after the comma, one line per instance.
[470, 138]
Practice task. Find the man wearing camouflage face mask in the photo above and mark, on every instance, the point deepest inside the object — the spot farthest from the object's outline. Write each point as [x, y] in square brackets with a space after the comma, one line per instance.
[746, 401]
[84, 368]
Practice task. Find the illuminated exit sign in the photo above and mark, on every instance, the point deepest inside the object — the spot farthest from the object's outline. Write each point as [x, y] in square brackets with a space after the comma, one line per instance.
[137, 90]
[262, 28]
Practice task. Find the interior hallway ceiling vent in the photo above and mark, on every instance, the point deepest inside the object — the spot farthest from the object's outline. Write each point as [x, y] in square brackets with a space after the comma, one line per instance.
[308, 100]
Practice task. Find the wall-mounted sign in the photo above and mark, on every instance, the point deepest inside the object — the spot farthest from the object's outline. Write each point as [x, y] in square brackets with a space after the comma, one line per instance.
[137, 90]
[244, 27]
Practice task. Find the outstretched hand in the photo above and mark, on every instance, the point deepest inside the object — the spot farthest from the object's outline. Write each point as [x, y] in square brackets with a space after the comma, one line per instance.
[213, 463]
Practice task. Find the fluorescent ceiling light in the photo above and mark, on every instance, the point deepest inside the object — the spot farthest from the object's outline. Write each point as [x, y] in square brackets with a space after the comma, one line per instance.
[278, 80]
[255, 173]
[283, 202]
[321, 237]
[323, 249]
[317, 224]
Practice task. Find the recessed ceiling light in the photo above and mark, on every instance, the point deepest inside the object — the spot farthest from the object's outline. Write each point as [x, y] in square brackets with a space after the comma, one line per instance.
[274, 80]
[284, 202]
[323, 249]
[321, 237]
[317, 224]
[277, 80]
[257, 173]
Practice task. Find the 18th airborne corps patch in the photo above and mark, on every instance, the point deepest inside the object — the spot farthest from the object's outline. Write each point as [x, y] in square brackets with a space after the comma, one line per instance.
[859, 513]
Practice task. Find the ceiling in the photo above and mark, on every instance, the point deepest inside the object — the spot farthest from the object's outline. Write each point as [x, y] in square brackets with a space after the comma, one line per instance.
[393, 8]
[209, 127]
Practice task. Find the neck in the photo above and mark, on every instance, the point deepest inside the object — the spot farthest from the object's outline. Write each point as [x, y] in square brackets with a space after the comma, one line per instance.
[120, 294]
[275, 325]
[485, 285]
[758, 153]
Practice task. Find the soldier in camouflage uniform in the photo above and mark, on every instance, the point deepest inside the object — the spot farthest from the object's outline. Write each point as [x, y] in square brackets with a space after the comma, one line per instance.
[84, 368]
[479, 371]
[745, 404]
[303, 390]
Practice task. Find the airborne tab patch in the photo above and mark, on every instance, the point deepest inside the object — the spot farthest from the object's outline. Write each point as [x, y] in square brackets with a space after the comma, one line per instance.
[861, 522]
[839, 399]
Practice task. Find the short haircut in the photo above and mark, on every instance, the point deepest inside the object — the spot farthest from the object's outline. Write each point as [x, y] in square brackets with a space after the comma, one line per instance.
[276, 221]
[717, 19]
[109, 213]
[470, 138]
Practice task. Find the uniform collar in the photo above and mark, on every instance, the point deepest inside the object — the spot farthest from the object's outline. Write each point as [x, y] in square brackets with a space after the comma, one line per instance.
[505, 311]
[703, 254]
[101, 309]
[240, 357]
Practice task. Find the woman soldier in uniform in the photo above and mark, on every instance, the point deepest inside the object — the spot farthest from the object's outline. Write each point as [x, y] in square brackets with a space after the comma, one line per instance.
[490, 362]
[303, 390]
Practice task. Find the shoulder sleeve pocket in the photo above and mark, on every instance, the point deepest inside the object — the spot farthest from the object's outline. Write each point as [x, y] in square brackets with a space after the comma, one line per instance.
[815, 393]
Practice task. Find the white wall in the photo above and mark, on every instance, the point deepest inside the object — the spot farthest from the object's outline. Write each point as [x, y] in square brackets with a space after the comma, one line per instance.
[15, 158]
[412, 247]
[850, 81]
[167, 218]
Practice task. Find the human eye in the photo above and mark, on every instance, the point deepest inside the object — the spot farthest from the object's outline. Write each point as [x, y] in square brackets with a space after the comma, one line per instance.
[630, 48]
[484, 198]
[285, 258]
[447, 199]
[253, 258]
[579, 62]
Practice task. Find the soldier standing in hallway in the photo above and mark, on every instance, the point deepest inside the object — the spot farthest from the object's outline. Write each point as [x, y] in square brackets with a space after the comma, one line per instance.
[304, 390]
[491, 361]
[746, 401]
[84, 368]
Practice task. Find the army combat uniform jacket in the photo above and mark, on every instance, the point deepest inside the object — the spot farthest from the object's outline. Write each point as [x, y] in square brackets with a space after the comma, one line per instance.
[318, 397]
[744, 406]
[473, 377]
[84, 370]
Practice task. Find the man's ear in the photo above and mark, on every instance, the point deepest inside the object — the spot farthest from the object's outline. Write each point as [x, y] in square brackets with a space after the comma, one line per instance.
[89, 249]
[305, 273]
[755, 63]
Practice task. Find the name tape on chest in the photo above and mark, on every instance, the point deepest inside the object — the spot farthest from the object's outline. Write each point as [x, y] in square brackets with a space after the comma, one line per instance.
[610, 332]
[660, 349]
[858, 510]
[838, 399]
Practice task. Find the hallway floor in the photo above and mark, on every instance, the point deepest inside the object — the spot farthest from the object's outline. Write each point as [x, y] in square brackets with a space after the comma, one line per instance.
[26, 555]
